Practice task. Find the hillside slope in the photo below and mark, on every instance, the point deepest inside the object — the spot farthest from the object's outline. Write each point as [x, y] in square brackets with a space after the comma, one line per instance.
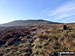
[37, 41]
[27, 23]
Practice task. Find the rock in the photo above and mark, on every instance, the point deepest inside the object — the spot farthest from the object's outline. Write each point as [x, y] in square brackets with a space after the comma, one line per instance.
[65, 27]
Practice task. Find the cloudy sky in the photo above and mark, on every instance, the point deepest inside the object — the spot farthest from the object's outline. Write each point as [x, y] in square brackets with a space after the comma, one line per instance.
[52, 10]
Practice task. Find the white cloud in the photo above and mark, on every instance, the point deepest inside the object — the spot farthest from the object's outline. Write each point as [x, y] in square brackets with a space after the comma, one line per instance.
[64, 11]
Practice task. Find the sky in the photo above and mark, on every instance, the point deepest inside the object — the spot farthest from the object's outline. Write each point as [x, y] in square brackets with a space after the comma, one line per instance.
[52, 10]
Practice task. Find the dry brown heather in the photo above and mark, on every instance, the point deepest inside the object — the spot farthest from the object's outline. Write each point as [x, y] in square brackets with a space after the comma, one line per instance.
[44, 40]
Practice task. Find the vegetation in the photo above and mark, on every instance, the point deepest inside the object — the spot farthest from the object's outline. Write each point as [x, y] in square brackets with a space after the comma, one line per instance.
[41, 40]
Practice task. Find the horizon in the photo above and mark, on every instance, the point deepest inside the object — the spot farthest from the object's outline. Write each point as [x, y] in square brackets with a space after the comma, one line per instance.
[34, 20]
[29, 19]
[62, 11]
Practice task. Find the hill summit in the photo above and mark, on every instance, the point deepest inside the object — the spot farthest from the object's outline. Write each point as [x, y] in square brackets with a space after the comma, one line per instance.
[27, 23]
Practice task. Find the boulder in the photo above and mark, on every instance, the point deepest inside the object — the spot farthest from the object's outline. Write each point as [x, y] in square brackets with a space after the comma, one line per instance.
[65, 27]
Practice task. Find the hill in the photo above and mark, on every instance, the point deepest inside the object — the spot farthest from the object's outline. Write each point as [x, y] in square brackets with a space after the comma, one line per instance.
[44, 39]
[27, 23]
